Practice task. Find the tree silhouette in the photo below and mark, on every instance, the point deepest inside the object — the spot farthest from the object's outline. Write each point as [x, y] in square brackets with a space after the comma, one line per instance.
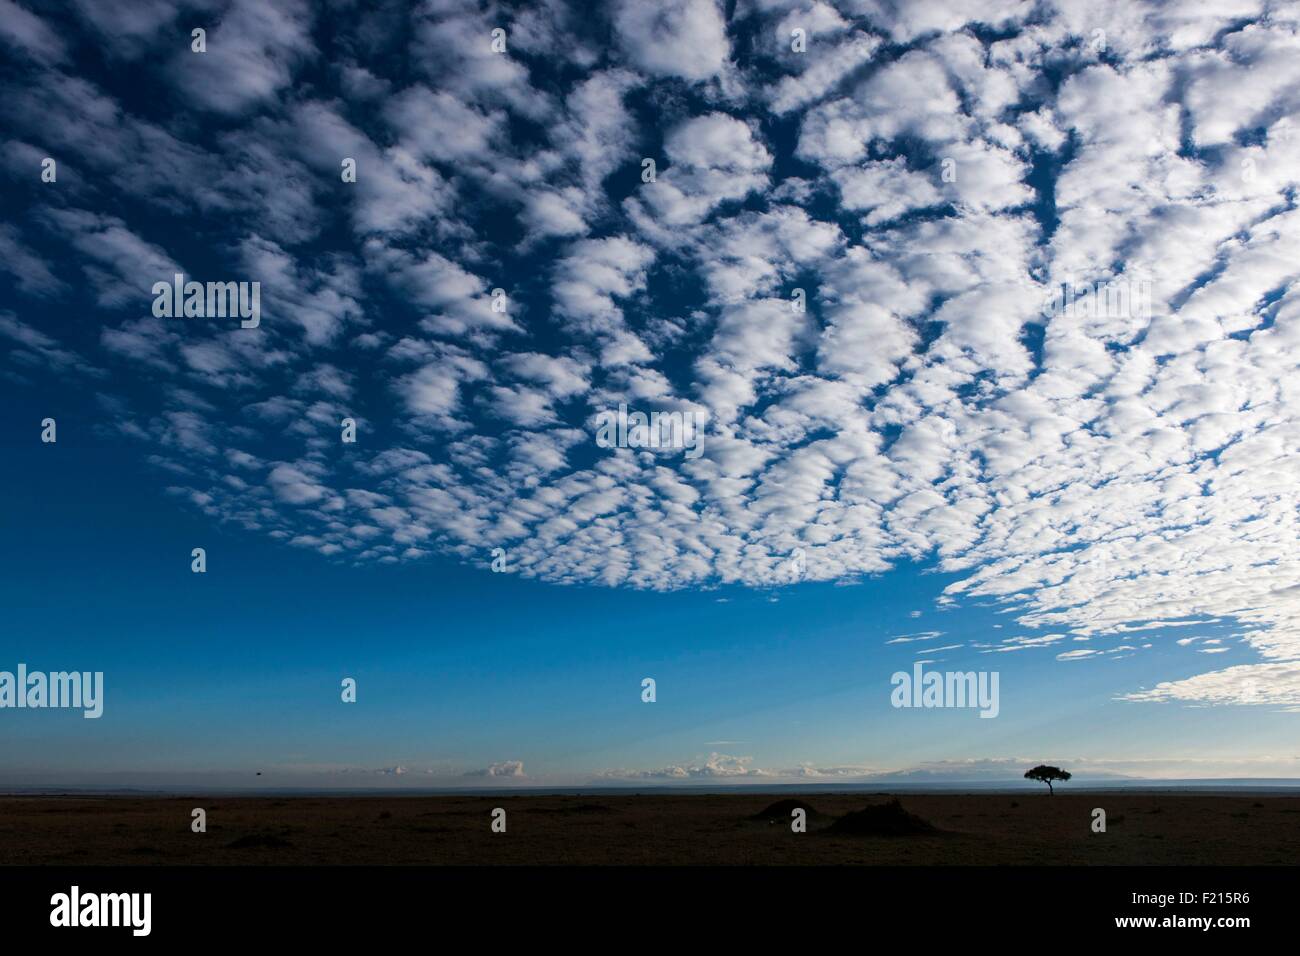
[1046, 774]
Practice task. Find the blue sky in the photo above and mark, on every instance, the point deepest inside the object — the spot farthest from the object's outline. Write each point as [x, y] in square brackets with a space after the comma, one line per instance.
[928, 462]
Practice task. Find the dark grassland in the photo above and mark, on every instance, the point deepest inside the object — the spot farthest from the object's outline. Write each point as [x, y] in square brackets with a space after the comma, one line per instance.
[650, 828]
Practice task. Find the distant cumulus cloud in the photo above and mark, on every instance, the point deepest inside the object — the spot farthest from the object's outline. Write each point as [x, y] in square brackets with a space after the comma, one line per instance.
[715, 766]
[507, 768]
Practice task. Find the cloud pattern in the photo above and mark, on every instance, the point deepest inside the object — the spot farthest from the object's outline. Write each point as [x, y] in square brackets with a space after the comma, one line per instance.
[927, 173]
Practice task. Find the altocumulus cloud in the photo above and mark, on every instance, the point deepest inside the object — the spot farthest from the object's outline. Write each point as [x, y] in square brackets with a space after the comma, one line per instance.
[927, 173]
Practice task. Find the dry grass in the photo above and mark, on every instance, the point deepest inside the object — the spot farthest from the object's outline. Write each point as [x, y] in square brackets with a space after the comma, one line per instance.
[989, 829]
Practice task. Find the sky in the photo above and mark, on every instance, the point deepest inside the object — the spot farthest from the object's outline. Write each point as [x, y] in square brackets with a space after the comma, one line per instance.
[986, 316]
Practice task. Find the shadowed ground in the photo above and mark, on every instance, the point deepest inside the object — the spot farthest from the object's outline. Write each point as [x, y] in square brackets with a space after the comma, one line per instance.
[979, 829]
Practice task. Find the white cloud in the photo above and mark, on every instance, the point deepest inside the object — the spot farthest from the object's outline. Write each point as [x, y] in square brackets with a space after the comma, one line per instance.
[681, 38]
[252, 53]
[1273, 685]
[507, 768]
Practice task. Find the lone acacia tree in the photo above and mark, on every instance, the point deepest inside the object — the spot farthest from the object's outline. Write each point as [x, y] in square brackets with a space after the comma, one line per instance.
[1046, 775]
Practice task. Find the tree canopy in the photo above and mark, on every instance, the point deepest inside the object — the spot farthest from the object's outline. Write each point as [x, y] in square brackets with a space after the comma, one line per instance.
[1046, 774]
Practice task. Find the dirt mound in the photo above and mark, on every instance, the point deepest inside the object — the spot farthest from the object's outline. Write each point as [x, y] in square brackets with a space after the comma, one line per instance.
[883, 819]
[782, 809]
